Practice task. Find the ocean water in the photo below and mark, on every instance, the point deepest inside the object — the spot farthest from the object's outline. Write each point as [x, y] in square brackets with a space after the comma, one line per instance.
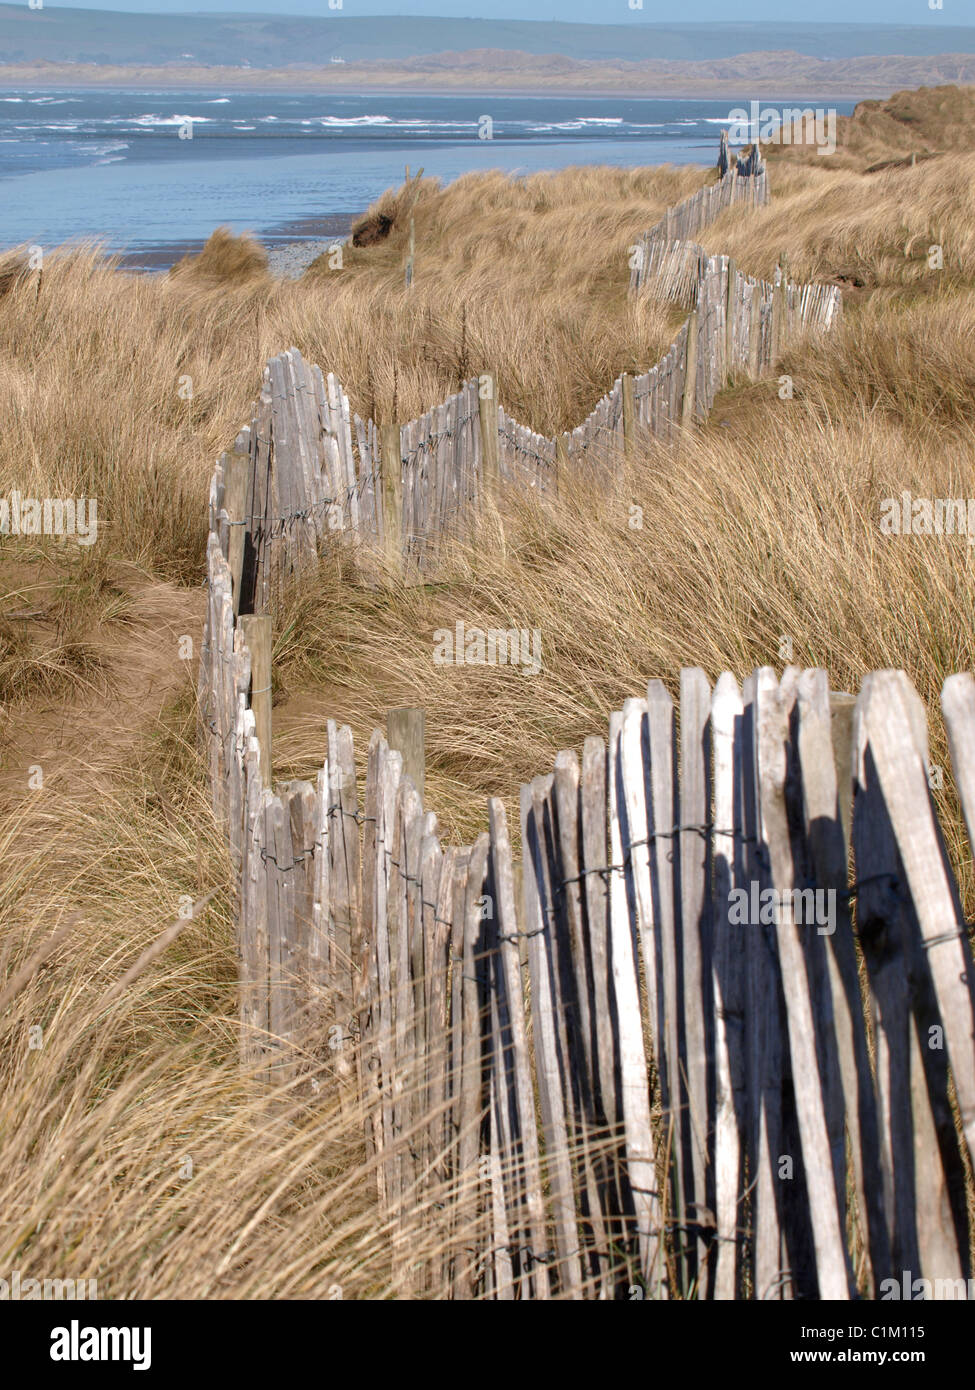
[118, 166]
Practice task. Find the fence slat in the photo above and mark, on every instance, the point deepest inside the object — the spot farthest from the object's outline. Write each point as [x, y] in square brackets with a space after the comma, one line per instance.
[696, 973]
[538, 914]
[762, 1031]
[827, 843]
[575, 988]
[473, 1100]
[826, 1211]
[344, 900]
[729, 1003]
[916, 1188]
[389, 769]
[254, 964]
[662, 821]
[940, 962]
[439, 1133]
[634, 1073]
[456, 1070]
[529, 1230]
[405, 848]
[369, 1002]
[279, 862]
[634, 756]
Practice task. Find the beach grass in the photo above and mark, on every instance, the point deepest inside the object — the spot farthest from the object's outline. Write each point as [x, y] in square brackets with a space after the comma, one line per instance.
[133, 1149]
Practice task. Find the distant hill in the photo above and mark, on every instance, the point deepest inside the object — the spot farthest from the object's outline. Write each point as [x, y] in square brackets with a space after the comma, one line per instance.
[765, 76]
[908, 126]
[96, 36]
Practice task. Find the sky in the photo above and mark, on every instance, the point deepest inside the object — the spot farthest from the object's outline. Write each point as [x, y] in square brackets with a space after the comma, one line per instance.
[591, 11]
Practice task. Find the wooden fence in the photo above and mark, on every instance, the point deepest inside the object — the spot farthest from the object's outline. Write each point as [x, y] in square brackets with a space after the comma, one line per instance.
[306, 468]
[674, 1066]
[744, 183]
[720, 1042]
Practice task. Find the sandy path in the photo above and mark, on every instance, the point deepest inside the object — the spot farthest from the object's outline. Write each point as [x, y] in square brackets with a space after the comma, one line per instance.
[87, 734]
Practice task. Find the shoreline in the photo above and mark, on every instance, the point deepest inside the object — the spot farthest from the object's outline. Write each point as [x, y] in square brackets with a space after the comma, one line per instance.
[708, 91]
[777, 76]
[290, 246]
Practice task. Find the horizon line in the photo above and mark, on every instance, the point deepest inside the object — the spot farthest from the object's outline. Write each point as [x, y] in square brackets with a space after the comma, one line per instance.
[493, 19]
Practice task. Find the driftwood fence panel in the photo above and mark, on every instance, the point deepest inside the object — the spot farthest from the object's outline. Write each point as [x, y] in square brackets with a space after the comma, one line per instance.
[306, 468]
[652, 1073]
[719, 1042]
[661, 250]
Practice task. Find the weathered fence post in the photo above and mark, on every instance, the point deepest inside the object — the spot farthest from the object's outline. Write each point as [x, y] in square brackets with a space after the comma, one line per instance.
[730, 315]
[391, 462]
[786, 323]
[235, 505]
[778, 314]
[488, 415]
[256, 628]
[755, 333]
[406, 734]
[629, 414]
[690, 374]
[723, 155]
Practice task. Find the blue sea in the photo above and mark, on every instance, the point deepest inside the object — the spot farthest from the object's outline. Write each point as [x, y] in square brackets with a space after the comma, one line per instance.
[151, 173]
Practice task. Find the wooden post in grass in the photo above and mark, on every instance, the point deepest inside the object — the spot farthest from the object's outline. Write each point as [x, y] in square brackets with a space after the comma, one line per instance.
[723, 159]
[391, 461]
[629, 415]
[414, 195]
[487, 408]
[235, 505]
[256, 628]
[406, 734]
[690, 374]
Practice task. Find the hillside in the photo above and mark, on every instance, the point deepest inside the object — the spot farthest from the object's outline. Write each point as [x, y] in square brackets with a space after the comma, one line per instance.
[784, 74]
[94, 36]
[915, 124]
[342, 52]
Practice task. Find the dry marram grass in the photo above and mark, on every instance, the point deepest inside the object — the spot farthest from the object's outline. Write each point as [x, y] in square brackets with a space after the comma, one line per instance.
[766, 523]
